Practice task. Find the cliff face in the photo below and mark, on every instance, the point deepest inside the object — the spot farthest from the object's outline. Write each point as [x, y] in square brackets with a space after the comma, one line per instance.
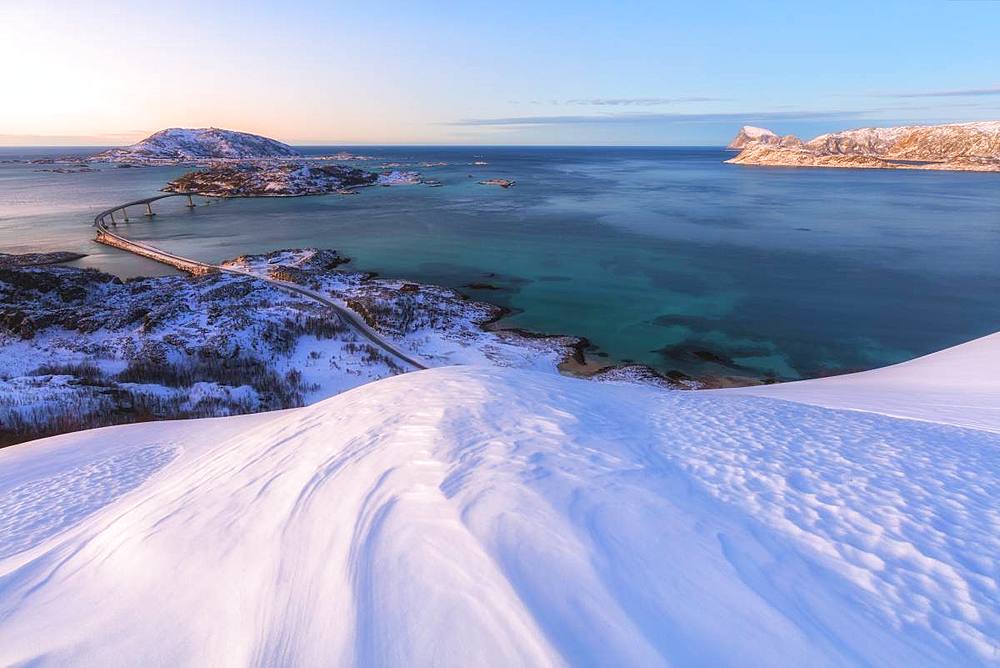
[184, 145]
[960, 147]
[748, 134]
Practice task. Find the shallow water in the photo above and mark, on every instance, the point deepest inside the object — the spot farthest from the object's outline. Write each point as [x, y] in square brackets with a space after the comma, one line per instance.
[660, 255]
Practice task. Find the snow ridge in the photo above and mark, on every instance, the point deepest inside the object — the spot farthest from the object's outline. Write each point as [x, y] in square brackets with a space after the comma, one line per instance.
[474, 516]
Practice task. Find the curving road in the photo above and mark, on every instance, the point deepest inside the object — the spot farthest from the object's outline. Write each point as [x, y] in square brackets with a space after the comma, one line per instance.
[108, 237]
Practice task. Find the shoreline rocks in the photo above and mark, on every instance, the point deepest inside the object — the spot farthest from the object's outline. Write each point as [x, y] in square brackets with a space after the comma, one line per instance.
[8, 261]
[503, 183]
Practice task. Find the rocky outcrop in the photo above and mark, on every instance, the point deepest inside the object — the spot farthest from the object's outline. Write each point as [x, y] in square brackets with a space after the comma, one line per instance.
[503, 183]
[748, 134]
[38, 259]
[268, 179]
[956, 147]
[179, 145]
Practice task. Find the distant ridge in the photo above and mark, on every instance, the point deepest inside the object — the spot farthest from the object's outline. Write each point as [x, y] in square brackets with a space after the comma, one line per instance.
[955, 146]
[192, 144]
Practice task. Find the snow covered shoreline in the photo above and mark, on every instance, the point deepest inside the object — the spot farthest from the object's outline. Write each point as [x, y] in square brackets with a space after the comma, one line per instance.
[491, 516]
[80, 349]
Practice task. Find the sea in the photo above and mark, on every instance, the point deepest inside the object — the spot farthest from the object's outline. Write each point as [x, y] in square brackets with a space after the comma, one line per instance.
[663, 256]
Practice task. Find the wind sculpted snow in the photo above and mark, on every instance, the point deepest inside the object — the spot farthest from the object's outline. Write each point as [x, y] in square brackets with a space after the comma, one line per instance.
[473, 516]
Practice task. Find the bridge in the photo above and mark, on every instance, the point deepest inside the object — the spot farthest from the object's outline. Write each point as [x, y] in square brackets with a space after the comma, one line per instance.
[106, 236]
[105, 222]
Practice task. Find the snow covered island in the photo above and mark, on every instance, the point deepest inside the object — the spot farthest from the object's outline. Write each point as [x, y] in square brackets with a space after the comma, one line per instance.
[272, 180]
[191, 145]
[475, 515]
[973, 147]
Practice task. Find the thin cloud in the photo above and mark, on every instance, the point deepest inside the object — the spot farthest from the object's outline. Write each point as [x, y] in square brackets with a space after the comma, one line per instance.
[968, 92]
[100, 139]
[625, 118]
[637, 101]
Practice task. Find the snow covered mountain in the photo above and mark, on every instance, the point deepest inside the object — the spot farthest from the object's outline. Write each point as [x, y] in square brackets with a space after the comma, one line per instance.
[748, 134]
[187, 145]
[961, 146]
[487, 516]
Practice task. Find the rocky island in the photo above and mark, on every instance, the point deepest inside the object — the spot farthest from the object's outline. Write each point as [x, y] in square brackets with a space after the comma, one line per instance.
[972, 147]
[264, 179]
[503, 183]
[193, 145]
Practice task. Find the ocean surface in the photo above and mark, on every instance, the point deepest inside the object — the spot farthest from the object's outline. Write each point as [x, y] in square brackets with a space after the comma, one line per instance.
[664, 256]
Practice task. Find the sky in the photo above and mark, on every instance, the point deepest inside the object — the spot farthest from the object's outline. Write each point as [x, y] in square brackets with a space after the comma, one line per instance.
[428, 72]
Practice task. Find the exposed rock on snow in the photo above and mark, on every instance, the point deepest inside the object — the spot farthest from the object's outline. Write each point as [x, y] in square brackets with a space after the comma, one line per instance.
[269, 179]
[180, 145]
[436, 324]
[956, 147]
[748, 134]
[80, 349]
[398, 178]
[473, 516]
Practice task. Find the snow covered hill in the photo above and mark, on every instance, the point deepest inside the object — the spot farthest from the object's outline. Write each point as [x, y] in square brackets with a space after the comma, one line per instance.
[748, 134]
[955, 146]
[486, 516]
[188, 144]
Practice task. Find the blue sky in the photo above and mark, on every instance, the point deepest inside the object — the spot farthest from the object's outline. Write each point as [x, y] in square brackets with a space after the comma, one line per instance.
[502, 73]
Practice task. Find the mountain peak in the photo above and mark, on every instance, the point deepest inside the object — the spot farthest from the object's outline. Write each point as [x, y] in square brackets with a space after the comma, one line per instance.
[749, 134]
[187, 144]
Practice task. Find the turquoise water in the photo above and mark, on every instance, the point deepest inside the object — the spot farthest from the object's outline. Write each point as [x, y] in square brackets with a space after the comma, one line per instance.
[660, 255]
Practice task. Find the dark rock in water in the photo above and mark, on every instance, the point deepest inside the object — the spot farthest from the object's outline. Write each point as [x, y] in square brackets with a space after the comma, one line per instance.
[481, 286]
[674, 374]
[38, 259]
[685, 352]
[709, 356]
[503, 183]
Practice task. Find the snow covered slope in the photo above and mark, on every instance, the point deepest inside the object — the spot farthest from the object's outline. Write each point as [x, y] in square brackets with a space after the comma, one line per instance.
[955, 146]
[188, 144]
[748, 134]
[477, 516]
[959, 386]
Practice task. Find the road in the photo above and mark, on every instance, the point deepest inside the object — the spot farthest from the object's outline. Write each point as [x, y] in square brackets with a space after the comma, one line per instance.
[106, 236]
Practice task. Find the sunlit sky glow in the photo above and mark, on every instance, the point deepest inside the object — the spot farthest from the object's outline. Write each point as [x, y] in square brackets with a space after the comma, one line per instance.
[102, 73]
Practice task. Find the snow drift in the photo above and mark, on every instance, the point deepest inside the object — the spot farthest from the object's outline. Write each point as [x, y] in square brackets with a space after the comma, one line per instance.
[474, 516]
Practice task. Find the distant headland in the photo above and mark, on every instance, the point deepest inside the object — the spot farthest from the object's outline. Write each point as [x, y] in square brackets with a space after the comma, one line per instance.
[969, 147]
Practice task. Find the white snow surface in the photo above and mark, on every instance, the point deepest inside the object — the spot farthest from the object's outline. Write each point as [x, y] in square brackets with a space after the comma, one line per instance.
[959, 386]
[491, 516]
[756, 133]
